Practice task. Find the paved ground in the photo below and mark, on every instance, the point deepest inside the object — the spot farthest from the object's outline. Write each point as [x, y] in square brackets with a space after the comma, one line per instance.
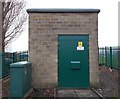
[0, 88]
[76, 93]
[64, 93]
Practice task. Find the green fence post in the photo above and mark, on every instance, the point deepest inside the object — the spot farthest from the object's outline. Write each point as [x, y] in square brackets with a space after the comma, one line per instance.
[118, 65]
[110, 56]
[3, 65]
[20, 57]
[14, 57]
[27, 55]
[105, 55]
[99, 55]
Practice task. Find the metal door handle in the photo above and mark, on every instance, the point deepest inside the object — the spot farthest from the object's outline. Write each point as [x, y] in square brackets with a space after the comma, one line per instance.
[75, 62]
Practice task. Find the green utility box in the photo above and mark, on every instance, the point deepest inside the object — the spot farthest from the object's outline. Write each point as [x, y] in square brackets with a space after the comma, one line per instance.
[20, 78]
[1, 59]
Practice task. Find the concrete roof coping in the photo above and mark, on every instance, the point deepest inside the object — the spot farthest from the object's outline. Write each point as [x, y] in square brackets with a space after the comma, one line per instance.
[62, 10]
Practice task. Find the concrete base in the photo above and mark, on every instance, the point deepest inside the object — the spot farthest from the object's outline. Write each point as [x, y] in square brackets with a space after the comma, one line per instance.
[76, 93]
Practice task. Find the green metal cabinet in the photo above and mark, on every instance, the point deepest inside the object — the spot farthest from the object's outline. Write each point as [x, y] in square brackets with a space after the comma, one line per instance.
[73, 61]
[20, 78]
[1, 63]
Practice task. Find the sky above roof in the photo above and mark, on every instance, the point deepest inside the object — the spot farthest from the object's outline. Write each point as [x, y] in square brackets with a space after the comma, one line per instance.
[107, 19]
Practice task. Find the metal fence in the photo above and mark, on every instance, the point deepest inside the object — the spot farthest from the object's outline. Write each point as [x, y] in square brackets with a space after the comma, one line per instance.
[20, 56]
[110, 56]
[9, 58]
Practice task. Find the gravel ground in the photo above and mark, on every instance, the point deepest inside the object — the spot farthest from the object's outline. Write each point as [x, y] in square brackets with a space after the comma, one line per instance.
[5, 87]
[108, 85]
[45, 93]
[109, 80]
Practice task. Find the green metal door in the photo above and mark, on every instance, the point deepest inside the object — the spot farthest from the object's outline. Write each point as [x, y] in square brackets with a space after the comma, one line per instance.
[73, 61]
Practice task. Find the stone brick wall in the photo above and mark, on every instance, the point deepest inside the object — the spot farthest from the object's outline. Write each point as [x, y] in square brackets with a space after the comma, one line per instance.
[0, 49]
[43, 40]
[0, 26]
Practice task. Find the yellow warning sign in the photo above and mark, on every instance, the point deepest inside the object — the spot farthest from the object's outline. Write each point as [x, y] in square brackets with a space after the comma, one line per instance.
[80, 44]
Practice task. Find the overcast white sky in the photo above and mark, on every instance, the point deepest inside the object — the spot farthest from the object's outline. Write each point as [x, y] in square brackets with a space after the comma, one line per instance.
[107, 23]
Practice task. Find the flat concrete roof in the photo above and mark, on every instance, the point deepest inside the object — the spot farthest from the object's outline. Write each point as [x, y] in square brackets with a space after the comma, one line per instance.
[63, 10]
